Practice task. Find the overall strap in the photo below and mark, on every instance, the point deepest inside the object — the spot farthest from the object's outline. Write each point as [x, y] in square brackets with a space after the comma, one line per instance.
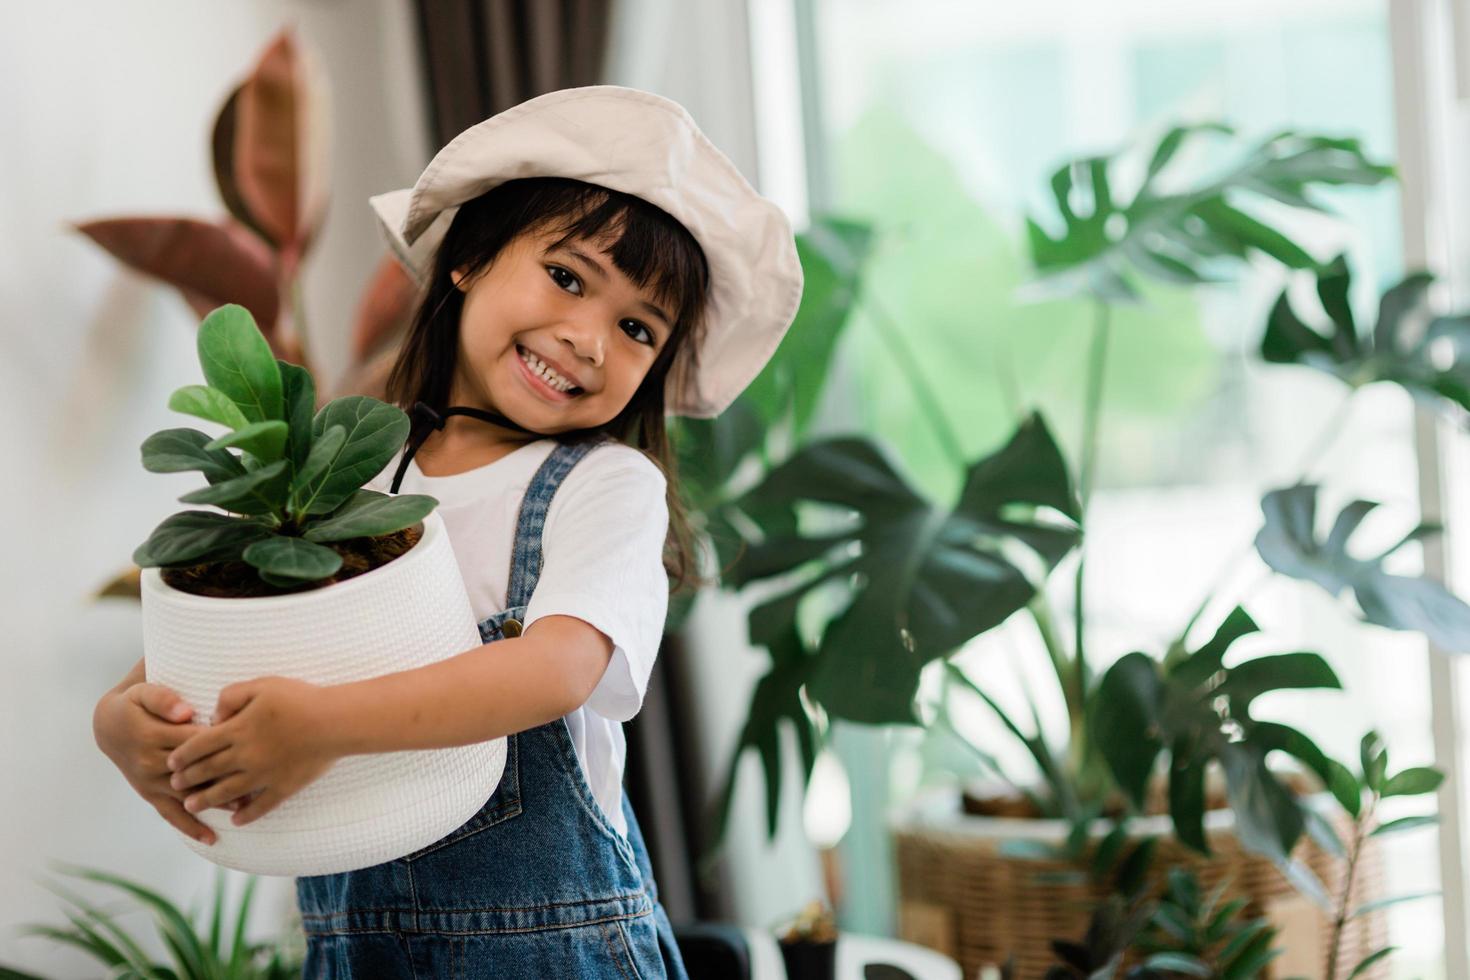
[525, 559]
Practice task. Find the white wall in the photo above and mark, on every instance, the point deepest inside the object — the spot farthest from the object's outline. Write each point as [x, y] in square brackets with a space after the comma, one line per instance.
[106, 111]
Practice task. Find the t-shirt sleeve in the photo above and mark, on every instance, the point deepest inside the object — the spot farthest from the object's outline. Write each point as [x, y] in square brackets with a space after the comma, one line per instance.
[602, 562]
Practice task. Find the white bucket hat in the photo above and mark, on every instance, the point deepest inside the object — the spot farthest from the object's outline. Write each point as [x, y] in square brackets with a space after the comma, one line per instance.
[648, 146]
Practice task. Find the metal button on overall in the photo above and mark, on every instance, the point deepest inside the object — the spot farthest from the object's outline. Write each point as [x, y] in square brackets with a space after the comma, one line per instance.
[511, 627]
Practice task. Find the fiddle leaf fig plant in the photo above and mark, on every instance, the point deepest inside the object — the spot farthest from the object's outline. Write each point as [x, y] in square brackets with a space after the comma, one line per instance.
[290, 481]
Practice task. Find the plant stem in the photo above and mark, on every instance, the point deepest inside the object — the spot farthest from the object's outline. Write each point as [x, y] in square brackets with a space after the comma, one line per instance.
[1343, 905]
[923, 391]
[1097, 359]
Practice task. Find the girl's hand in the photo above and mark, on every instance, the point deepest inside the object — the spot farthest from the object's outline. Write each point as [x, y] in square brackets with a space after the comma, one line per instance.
[137, 727]
[268, 739]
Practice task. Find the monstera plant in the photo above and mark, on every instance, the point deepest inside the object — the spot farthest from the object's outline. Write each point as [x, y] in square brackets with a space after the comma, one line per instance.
[860, 583]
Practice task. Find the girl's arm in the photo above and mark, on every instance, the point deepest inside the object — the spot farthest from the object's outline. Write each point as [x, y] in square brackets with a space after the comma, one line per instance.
[501, 688]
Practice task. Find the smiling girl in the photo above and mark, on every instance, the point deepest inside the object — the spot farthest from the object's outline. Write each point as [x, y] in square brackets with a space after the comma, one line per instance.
[592, 264]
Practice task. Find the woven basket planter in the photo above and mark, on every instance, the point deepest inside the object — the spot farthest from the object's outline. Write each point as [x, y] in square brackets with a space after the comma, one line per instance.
[366, 809]
[960, 895]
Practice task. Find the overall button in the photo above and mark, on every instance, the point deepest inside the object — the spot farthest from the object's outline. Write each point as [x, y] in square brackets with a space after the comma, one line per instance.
[511, 627]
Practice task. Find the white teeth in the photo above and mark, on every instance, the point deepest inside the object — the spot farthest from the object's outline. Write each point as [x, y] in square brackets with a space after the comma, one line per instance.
[545, 373]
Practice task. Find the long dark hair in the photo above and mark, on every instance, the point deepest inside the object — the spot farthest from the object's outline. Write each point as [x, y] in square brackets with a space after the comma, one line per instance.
[651, 248]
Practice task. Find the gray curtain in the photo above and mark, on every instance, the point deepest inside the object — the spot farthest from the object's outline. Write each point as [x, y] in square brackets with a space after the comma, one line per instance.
[483, 56]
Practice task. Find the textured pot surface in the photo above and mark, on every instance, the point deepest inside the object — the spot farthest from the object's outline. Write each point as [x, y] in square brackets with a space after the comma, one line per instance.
[960, 893]
[366, 809]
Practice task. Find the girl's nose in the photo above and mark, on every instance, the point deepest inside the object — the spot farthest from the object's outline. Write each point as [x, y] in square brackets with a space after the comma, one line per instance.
[585, 339]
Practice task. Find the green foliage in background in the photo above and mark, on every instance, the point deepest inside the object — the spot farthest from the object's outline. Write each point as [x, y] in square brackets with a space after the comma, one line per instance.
[198, 950]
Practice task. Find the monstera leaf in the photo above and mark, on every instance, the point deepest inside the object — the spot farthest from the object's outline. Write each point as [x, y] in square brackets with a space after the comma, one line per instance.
[1194, 710]
[1431, 364]
[920, 580]
[1173, 236]
[1288, 543]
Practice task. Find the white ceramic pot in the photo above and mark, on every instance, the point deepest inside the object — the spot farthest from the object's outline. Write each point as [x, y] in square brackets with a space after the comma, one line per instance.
[366, 809]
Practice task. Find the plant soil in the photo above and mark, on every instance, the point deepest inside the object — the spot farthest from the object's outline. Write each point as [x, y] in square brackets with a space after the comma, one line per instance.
[239, 579]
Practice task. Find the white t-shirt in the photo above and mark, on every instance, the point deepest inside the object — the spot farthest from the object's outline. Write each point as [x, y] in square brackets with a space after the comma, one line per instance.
[602, 562]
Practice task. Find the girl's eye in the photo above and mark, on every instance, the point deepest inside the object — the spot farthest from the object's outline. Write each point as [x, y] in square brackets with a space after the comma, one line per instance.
[554, 269]
[647, 338]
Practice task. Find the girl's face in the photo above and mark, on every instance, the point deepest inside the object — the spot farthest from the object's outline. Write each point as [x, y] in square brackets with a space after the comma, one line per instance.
[555, 339]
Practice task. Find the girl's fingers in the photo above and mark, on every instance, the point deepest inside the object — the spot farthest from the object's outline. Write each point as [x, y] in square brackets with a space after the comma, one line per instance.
[161, 701]
[219, 764]
[258, 807]
[207, 742]
[173, 811]
[222, 792]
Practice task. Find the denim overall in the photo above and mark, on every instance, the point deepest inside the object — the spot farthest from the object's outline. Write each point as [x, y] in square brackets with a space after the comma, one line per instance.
[537, 885]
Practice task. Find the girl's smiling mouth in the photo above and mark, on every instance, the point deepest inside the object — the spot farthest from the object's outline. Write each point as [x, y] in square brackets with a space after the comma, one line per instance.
[533, 369]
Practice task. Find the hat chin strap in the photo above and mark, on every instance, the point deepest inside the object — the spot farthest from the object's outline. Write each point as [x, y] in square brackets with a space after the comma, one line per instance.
[424, 420]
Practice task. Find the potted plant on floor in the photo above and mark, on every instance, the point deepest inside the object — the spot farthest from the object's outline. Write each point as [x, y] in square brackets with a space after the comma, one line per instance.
[308, 575]
[895, 583]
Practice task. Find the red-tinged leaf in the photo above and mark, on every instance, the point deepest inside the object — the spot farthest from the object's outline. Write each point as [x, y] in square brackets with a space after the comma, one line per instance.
[210, 264]
[279, 148]
[222, 152]
[384, 310]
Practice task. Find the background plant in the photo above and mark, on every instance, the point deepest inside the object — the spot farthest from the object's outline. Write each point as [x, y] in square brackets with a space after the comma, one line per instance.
[197, 950]
[296, 484]
[830, 531]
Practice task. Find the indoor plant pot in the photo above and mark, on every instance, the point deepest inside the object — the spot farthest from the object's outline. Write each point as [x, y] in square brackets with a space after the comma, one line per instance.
[365, 809]
[309, 576]
[964, 892]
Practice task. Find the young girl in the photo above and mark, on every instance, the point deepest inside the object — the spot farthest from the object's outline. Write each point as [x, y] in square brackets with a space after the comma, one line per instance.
[592, 264]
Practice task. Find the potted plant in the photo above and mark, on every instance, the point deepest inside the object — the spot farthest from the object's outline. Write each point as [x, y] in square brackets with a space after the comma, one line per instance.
[269, 147]
[307, 575]
[809, 944]
[888, 583]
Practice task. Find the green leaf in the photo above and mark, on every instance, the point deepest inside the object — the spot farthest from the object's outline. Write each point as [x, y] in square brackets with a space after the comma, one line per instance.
[1374, 758]
[1187, 799]
[1405, 823]
[1268, 820]
[368, 514]
[1180, 963]
[209, 404]
[298, 391]
[1287, 542]
[1384, 903]
[833, 253]
[1170, 236]
[1413, 782]
[293, 558]
[1281, 672]
[1206, 662]
[237, 361]
[375, 432]
[920, 582]
[1320, 830]
[182, 450]
[324, 450]
[175, 928]
[257, 492]
[1369, 960]
[196, 536]
[1123, 719]
[1338, 779]
[266, 441]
